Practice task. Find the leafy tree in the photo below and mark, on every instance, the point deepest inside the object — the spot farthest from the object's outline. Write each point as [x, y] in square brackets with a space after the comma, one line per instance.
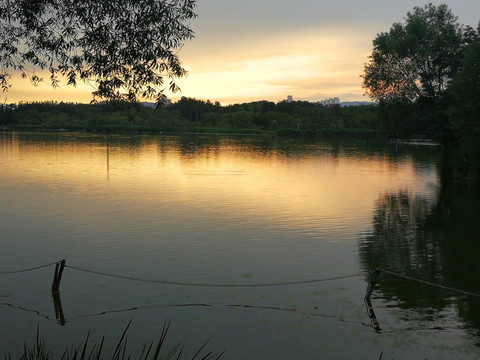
[465, 88]
[417, 58]
[126, 48]
[464, 121]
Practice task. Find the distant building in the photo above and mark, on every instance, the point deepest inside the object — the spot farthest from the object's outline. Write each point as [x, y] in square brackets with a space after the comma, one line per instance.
[330, 102]
[289, 99]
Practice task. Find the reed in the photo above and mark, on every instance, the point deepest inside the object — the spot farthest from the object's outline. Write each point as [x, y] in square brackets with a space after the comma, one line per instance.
[96, 351]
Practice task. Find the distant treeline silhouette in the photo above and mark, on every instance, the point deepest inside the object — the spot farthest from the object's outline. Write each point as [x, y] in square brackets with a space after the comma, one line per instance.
[193, 115]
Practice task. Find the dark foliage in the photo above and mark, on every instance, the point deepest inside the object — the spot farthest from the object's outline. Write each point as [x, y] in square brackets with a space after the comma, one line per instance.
[126, 49]
[464, 125]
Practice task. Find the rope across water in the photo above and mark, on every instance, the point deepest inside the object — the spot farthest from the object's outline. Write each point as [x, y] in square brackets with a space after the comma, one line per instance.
[27, 270]
[178, 283]
[245, 285]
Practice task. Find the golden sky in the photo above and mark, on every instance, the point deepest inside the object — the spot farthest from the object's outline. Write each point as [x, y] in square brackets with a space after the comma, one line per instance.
[265, 50]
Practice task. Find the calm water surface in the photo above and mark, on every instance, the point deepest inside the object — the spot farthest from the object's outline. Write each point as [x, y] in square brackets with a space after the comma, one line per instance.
[238, 211]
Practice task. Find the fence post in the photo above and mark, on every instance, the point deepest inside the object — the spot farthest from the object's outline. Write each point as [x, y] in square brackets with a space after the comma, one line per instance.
[371, 285]
[57, 277]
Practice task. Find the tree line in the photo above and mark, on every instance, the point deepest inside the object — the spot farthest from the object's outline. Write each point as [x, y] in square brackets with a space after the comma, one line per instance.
[194, 115]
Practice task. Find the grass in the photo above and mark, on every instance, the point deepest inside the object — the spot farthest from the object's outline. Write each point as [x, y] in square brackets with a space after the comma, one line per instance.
[86, 351]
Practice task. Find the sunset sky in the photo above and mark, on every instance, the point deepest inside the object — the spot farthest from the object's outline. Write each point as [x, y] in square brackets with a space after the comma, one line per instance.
[265, 50]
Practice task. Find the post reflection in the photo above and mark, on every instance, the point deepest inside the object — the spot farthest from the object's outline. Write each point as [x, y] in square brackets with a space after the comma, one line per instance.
[57, 304]
[374, 324]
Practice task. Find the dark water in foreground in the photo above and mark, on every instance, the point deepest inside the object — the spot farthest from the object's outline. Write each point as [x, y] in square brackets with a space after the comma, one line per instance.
[245, 210]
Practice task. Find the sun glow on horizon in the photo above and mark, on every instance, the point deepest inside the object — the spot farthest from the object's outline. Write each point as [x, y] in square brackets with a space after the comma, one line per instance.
[24, 91]
[310, 65]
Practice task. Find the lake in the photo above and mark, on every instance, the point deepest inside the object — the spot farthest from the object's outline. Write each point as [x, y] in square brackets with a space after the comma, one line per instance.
[285, 231]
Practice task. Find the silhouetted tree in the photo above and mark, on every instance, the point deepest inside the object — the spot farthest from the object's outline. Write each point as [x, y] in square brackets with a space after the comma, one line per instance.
[414, 63]
[417, 58]
[126, 48]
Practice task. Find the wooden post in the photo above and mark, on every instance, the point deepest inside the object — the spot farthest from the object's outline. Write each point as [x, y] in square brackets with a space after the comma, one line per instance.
[57, 277]
[371, 285]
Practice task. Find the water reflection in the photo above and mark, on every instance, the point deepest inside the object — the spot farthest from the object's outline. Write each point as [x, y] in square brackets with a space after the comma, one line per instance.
[433, 239]
[193, 209]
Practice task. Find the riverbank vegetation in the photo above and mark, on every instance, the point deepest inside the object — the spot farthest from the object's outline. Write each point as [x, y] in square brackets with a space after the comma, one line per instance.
[298, 118]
